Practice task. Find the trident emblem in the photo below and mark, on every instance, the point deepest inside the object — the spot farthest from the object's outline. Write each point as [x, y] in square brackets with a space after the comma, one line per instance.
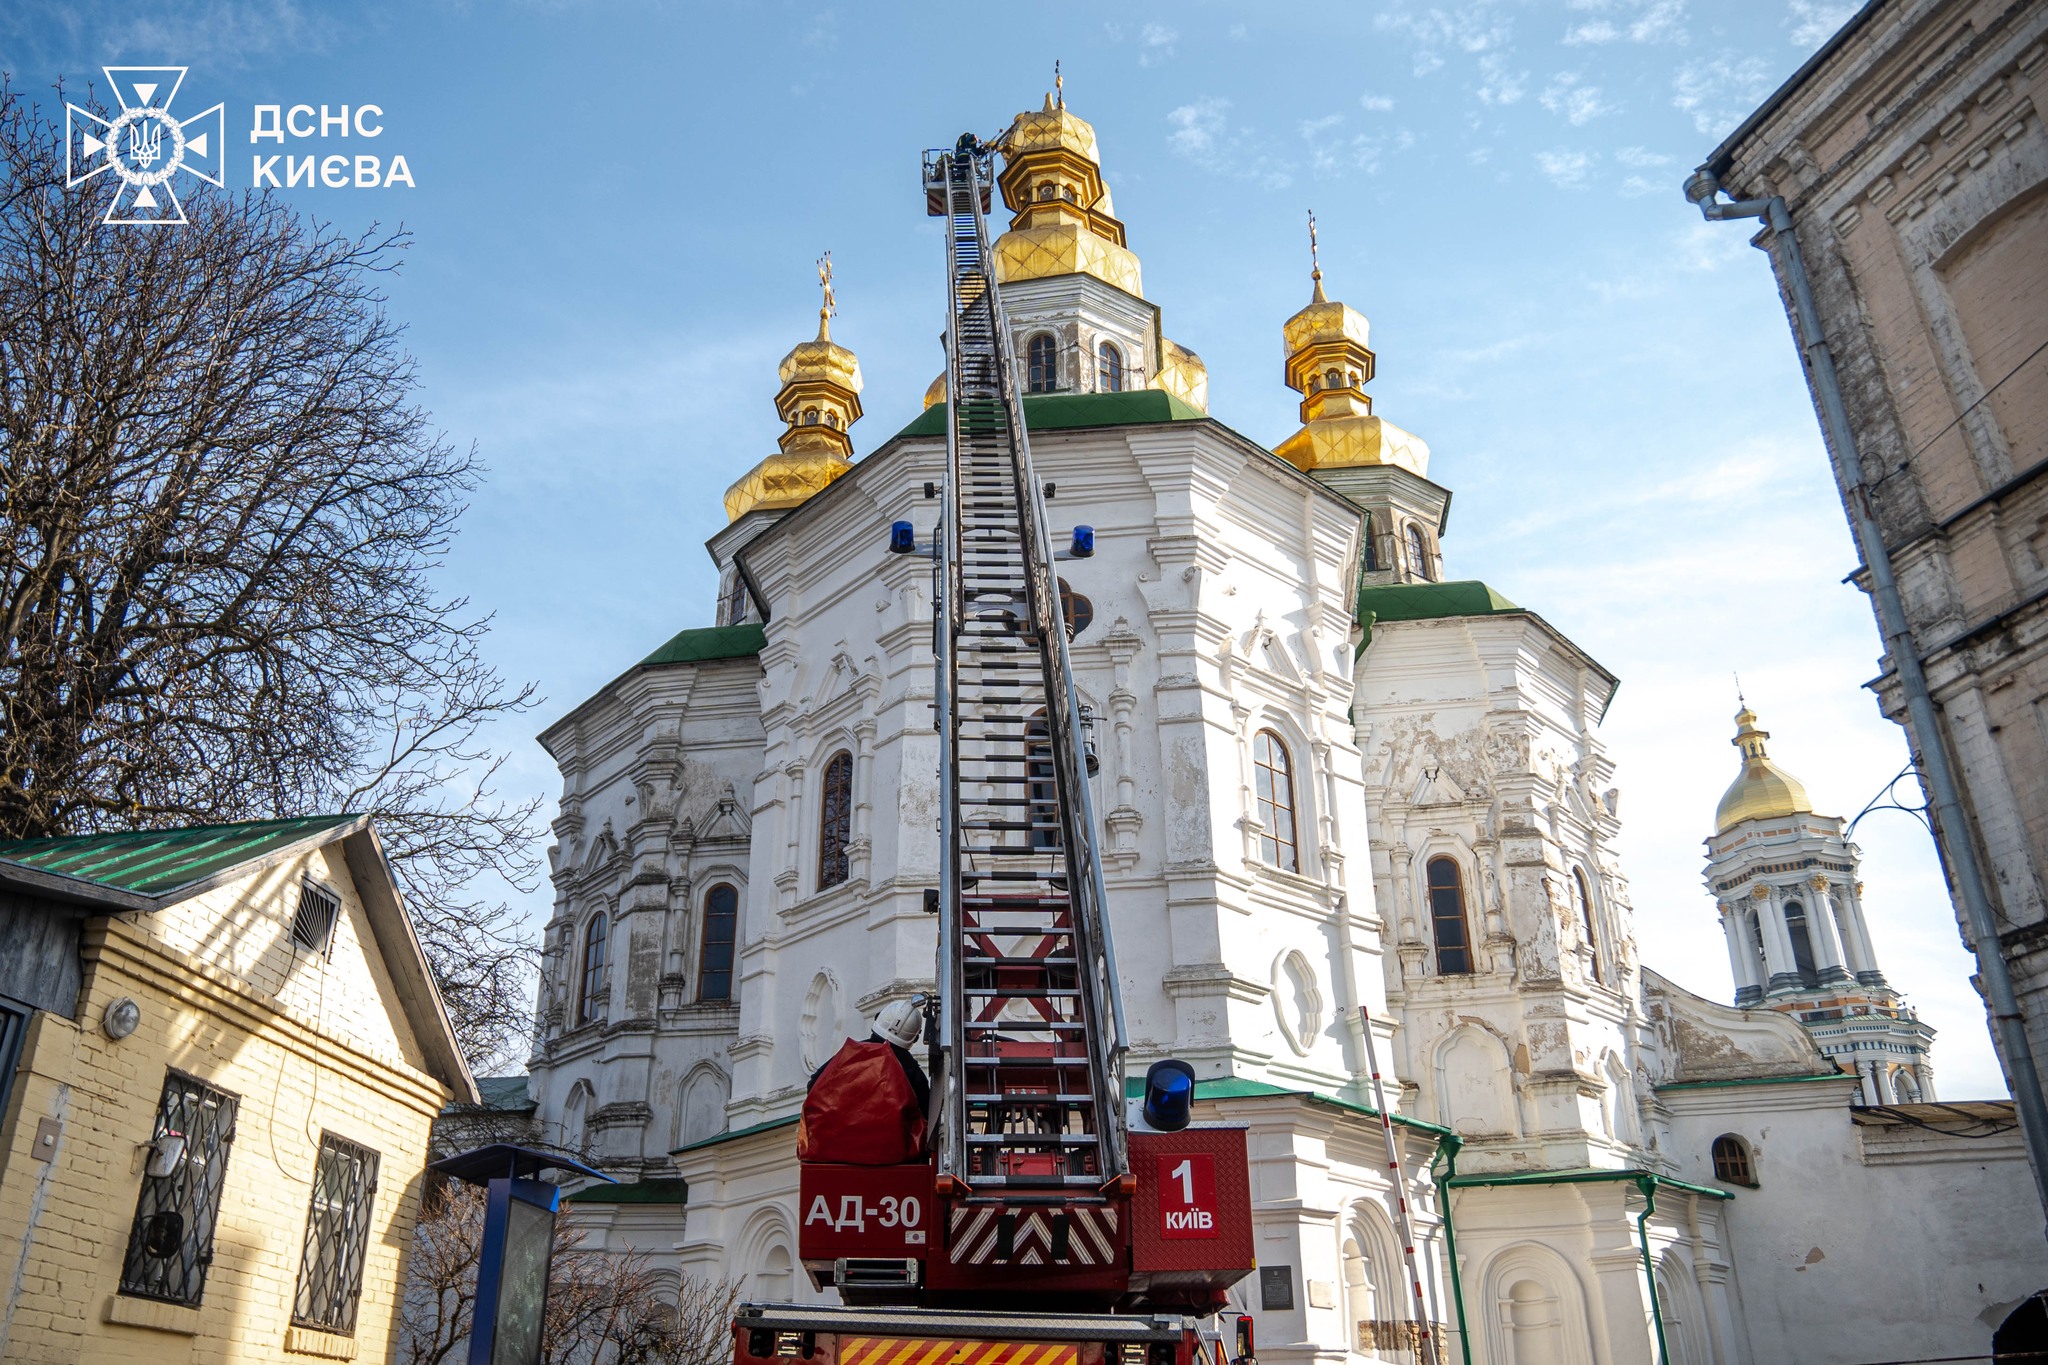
[145, 143]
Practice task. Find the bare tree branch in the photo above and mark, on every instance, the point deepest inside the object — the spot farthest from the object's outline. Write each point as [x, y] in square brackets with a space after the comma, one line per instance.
[221, 514]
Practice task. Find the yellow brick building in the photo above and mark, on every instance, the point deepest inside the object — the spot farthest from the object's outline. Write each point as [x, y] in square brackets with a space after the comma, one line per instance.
[220, 1057]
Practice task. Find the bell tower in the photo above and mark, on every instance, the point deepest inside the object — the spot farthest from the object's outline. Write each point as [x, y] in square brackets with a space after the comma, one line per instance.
[1787, 887]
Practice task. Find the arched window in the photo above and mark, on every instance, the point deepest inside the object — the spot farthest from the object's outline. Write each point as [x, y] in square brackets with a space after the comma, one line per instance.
[1447, 918]
[1418, 552]
[1586, 917]
[1275, 773]
[1332, 379]
[832, 420]
[1110, 368]
[1371, 546]
[810, 417]
[1756, 946]
[721, 928]
[835, 820]
[1043, 373]
[1731, 1161]
[732, 608]
[591, 1003]
[1042, 785]
[1802, 945]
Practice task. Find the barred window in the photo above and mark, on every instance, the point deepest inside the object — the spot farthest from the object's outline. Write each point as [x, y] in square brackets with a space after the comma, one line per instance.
[1418, 552]
[721, 928]
[1275, 772]
[1731, 1161]
[170, 1246]
[337, 1236]
[313, 926]
[835, 820]
[732, 608]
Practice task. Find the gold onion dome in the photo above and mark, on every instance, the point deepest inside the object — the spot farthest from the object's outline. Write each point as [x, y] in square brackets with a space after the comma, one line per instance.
[1329, 361]
[818, 401]
[1763, 790]
[1062, 219]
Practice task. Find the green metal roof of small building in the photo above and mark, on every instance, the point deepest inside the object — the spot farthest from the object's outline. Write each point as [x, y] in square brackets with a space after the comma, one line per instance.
[1064, 411]
[711, 642]
[152, 862]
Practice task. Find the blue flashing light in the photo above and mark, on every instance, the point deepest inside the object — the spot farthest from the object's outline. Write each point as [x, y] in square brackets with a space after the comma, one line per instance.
[902, 538]
[1169, 1095]
[1084, 542]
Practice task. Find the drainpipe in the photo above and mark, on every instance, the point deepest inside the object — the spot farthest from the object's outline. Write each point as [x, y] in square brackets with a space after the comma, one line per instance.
[1649, 1189]
[1447, 1147]
[1952, 839]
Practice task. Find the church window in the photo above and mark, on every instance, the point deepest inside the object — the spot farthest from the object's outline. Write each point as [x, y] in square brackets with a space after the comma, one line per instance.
[1802, 944]
[1067, 193]
[1585, 898]
[1418, 552]
[721, 928]
[1351, 377]
[1042, 373]
[1042, 786]
[810, 417]
[1047, 191]
[1756, 945]
[596, 970]
[832, 420]
[1332, 379]
[1732, 1165]
[1371, 546]
[835, 820]
[732, 607]
[1275, 772]
[1447, 918]
[1077, 610]
[1110, 362]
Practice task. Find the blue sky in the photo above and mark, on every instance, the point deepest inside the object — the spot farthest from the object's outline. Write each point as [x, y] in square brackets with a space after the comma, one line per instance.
[617, 207]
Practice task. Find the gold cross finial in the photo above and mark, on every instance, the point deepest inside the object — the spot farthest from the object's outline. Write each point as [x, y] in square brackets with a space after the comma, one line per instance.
[1314, 260]
[829, 307]
[1740, 701]
[1059, 88]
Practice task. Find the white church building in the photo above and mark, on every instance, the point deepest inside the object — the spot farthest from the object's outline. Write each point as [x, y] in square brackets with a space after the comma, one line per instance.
[1344, 797]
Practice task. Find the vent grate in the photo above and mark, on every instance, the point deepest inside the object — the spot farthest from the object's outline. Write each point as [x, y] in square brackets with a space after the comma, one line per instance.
[313, 926]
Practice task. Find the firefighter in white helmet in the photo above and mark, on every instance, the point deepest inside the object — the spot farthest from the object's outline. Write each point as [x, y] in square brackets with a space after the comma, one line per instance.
[900, 1024]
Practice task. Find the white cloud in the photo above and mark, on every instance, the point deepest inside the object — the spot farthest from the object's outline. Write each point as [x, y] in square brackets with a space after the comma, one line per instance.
[1310, 127]
[1660, 21]
[1378, 104]
[1577, 104]
[1498, 85]
[1641, 157]
[1157, 42]
[1565, 169]
[1815, 21]
[1237, 32]
[1203, 133]
[1718, 92]
[1591, 33]
[1636, 186]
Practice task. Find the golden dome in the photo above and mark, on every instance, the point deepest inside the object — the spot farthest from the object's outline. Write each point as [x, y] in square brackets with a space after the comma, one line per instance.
[1763, 790]
[818, 401]
[1182, 374]
[1063, 221]
[1329, 361]
[935, 392]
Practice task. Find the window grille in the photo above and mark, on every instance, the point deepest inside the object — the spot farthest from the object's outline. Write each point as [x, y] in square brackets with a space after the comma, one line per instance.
[596, 974]
[721, 925]
[170, 1246]
[1447, 918]
[1418, 552]
[337, 1236]
[835, 821]
[1275, 773]
[732, 609]
[313, 925]
[1731, 1161]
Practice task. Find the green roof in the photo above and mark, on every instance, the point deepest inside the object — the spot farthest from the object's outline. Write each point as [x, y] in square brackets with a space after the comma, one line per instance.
[153, 862]
[786, 1121]
[1426, 602]
[503, 1092]
[1064, 411]
[710, 642]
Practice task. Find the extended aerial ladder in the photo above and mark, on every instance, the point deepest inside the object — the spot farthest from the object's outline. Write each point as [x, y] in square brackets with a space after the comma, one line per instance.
[1051, 1222]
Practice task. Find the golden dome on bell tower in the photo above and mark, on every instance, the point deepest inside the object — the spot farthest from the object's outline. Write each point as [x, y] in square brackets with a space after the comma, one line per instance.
[1329, 362]
[1063, 222]
[1762, 790]
[818, 401]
